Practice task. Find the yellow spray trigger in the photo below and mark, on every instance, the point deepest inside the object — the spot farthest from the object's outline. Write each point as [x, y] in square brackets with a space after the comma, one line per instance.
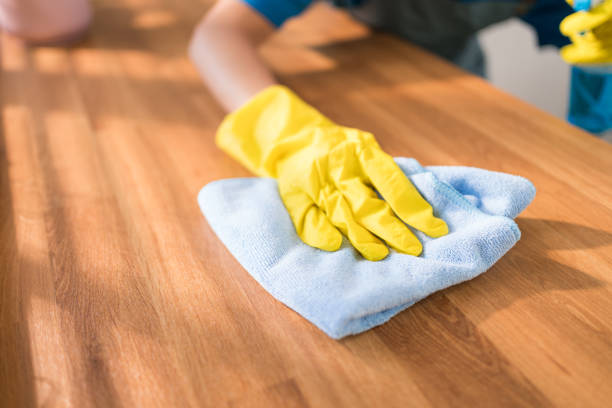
[591, 34]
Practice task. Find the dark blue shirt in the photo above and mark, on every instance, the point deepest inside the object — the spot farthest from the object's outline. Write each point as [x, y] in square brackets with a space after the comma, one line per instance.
[543, 15]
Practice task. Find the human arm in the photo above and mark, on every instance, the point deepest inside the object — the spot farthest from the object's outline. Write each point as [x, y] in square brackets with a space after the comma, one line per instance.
[328, 175]
[224, 50]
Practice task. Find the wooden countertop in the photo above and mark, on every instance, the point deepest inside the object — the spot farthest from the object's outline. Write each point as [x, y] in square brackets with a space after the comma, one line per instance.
[115, 292]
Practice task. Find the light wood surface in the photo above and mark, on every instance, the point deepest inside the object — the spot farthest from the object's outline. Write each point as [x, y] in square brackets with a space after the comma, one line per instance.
[115, 292]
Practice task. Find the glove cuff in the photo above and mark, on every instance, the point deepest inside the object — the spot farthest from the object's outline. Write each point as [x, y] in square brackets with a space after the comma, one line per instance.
[274, 114]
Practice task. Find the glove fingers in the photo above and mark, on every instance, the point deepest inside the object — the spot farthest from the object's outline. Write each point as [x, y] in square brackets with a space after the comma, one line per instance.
[376, 216]
[405, 200]
[581, 21]
[311, 224]
[340, 215]
[579, 54]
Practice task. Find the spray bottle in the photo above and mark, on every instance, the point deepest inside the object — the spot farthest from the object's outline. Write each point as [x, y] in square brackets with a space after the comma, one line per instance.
[590, 30]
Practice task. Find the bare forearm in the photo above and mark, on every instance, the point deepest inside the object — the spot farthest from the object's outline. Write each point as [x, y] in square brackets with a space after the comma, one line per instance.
[224, 50]
[233, 75]
[45, 20]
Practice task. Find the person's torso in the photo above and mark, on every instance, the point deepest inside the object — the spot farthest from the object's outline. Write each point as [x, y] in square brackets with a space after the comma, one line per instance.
[443, 26]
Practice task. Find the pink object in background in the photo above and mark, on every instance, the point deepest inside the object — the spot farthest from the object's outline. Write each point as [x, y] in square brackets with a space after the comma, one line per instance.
[45, 21]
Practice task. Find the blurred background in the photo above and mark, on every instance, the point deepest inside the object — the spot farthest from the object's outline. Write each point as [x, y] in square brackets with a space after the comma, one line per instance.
[515, 62]
[517, 65]
[537, 75]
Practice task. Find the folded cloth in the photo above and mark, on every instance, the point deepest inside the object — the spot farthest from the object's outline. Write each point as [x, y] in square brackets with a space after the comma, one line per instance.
[341, 292]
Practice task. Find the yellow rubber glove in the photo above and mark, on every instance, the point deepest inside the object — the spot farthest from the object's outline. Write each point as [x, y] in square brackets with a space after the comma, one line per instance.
[591, 35]
[327, 176]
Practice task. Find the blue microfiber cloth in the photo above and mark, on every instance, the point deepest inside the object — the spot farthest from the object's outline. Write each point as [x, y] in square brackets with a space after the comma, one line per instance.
[341, 292]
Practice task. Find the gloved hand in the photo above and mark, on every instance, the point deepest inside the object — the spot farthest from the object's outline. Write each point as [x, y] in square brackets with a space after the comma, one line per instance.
[591, 35]
[328, 176]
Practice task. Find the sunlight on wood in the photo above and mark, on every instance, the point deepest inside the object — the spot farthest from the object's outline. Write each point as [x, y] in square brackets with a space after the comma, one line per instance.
[49, 60]
[90, 61]
[153, 19]
[323, 24]
[290, 61]
[14, 53]
[114, 290]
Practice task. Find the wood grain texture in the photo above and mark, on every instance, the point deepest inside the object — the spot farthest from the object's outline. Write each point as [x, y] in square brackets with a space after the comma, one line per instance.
[115, 292]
